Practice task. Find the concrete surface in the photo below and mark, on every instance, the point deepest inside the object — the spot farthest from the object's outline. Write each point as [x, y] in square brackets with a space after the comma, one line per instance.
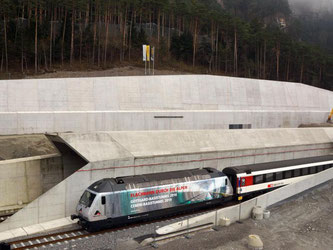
[130, 153]
[137, 103]
[22, 181]
[21, 146]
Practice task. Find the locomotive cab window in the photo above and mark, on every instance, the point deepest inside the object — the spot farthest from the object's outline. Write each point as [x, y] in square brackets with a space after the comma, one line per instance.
[87, 198]
[103, 200]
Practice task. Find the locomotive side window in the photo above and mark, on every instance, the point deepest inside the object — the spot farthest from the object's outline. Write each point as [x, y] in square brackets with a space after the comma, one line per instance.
[103, 200]
[278, 176]
[269, 177]
[258, 179]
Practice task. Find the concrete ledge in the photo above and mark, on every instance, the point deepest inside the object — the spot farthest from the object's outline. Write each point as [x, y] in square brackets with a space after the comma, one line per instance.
[37, 228]
[32, 158]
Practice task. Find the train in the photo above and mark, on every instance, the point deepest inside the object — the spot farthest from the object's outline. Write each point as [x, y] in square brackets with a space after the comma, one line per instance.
[112, 202]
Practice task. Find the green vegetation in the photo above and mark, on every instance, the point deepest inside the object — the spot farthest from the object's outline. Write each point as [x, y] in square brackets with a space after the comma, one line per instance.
[230, 37]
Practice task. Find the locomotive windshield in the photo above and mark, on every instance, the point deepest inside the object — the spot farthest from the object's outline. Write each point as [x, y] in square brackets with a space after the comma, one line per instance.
[87, 198]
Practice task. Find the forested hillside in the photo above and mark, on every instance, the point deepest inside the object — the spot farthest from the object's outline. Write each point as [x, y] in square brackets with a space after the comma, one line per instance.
[254, 38]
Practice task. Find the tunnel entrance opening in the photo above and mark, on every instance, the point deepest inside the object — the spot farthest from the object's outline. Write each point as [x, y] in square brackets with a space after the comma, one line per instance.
[71, 160]
[30, 165]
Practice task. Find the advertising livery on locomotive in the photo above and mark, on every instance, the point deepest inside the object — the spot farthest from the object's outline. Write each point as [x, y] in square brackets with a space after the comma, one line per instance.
[114, 201]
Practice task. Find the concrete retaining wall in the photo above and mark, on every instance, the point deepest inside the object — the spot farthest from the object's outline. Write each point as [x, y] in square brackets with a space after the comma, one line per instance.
[112, 154]
[24, 180]
[143, 102]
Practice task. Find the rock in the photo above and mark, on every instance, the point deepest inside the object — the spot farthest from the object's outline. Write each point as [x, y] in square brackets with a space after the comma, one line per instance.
[254, 242]
[267, 214]
[258, 213]
[224, 221]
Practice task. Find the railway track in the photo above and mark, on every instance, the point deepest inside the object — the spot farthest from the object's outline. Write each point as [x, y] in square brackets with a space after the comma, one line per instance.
[56, 239]
[50, 239]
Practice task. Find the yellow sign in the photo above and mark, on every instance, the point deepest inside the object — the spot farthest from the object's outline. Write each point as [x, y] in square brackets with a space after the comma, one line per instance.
[148, 53]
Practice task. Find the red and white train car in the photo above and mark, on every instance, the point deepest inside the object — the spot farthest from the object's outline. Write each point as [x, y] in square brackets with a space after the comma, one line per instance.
[249, 179]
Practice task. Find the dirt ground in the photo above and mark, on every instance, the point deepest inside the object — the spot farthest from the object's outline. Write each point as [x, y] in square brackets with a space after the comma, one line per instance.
[20, 146]
[119, 71]
[302, 223]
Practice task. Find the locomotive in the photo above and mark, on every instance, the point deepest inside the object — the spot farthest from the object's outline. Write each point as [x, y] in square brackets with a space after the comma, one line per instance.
[115, 201]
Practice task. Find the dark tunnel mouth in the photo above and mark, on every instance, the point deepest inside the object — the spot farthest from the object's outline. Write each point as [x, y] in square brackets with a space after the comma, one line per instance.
[71, 159]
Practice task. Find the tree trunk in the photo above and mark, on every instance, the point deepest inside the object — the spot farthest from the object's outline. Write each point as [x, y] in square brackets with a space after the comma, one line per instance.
[5, 34]
[72, 38]
[94, 39]
[169, 37]
[106, 37]
[217, 49]
[288, 66]
[302, 70]
[99, 40]
[235, 54]
[163, 24]
[1, 66]
[22, 63]
[277, 60]
[265, 48]
[63, 39]
[51, 39]
[87, 16]
[36, 40]
[150, 32]
[158, 26]
[130, 35]
[80, 30]
[124, 35]
[45, 57]
[195, 41]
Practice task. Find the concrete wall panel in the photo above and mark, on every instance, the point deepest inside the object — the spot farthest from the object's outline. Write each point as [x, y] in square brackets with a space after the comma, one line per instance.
[261, 103]
[3, 96]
